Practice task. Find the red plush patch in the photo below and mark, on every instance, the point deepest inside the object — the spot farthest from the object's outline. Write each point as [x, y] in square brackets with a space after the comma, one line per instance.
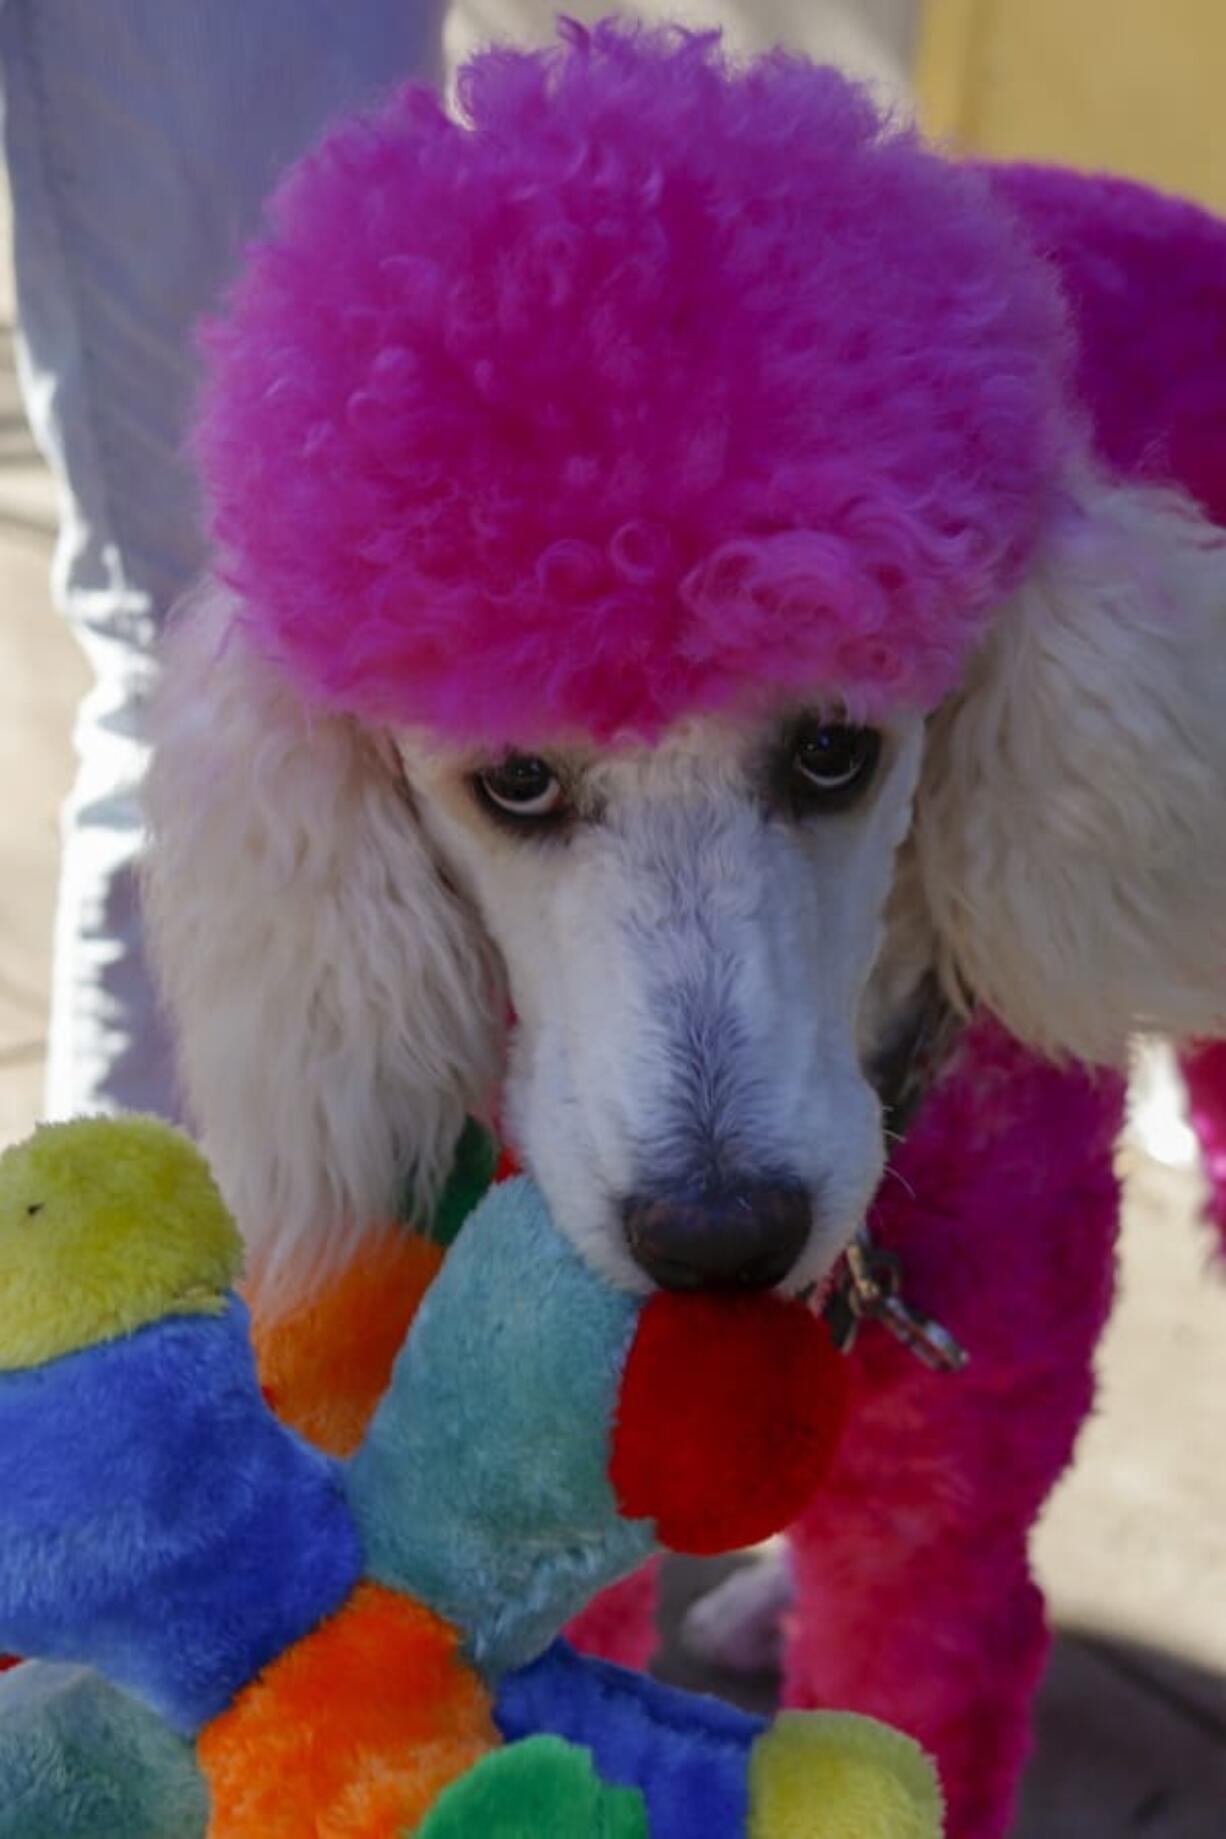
[7, 1661]
[730, 1411]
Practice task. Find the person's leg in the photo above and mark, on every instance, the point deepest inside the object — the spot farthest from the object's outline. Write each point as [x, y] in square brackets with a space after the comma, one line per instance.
[141, 137]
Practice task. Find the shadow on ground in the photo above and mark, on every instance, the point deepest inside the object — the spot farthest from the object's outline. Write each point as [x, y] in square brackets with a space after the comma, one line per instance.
[1129, 1739]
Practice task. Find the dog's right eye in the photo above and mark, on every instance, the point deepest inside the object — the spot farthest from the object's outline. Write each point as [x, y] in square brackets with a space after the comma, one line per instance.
[522, 787]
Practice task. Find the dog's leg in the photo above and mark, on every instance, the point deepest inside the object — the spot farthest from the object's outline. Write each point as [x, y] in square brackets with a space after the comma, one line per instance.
[914, 1598]
[620, 1623]
[1204, 1072]
[739, 1624]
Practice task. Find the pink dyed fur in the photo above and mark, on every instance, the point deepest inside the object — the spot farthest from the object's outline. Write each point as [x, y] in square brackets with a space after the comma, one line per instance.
[774, 328]
[1145, 276]
[773, 322]
[620, 1624]
[915, 1599]
[914, 1596]
[1204, 1072]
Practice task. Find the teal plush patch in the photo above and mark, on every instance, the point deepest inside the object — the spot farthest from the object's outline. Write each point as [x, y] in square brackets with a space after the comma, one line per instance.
[483, 1486]
[542, 1786]
[81, 1760]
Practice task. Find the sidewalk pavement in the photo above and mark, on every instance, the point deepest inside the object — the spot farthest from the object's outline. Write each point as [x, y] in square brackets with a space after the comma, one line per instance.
[1132, 1722]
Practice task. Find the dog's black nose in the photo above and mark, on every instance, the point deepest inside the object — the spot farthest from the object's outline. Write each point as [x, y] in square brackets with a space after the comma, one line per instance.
[741, 1238]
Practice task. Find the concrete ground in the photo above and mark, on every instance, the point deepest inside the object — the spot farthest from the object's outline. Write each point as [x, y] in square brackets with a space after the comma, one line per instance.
[1132, 1721]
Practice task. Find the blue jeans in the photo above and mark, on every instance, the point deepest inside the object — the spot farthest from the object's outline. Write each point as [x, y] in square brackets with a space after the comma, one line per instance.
[141, 137]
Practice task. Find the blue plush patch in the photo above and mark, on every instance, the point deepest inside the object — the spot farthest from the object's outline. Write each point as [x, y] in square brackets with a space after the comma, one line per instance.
[689, 1755]
[81, 1760]
[483, 1485]
[158, 1523]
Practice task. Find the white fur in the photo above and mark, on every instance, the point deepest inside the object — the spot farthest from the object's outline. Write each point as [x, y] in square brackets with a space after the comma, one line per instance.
[1071, 823]
[338, 998]
[685, 969]
[337, 1010]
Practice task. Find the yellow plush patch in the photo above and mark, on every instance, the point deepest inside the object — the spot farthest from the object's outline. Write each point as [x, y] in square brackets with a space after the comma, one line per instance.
[106, 1224]
[832, 1775]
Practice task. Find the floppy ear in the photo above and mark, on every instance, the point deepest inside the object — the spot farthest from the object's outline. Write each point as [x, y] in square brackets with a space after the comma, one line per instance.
[336, 1003]
[1071, 819]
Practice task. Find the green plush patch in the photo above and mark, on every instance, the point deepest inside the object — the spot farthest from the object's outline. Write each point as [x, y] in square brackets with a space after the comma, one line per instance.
[541, 1786]
[476, 1158]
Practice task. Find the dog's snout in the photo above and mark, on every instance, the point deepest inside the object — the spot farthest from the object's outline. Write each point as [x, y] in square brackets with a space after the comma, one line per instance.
[737, 1238]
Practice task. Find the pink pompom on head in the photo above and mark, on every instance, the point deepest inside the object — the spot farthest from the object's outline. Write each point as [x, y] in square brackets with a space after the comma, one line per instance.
[651, 385]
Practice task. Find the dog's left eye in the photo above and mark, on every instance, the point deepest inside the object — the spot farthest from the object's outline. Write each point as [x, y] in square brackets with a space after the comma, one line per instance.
[522, 786]
[832, 763]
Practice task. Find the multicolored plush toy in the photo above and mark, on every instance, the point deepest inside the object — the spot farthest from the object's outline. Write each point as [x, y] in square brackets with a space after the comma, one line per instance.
[250, 1639]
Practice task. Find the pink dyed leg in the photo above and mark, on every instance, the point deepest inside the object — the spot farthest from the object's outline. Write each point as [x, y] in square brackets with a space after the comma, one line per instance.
[914, 1598]
[1204, 1070]
[620, 1623]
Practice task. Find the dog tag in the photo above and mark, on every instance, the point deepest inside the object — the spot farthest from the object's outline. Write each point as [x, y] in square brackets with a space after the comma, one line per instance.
[870, 1290]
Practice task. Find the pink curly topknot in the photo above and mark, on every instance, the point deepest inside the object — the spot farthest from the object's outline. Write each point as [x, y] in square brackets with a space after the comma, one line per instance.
[655, 382]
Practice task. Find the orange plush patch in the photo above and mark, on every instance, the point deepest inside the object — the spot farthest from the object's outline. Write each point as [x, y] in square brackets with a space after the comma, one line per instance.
[353, 1733]
[325, 1365]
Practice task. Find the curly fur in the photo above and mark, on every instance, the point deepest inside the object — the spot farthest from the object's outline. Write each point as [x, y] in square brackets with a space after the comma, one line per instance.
[1145, 276]
[338, 999]
[773, 321]
[815, 421]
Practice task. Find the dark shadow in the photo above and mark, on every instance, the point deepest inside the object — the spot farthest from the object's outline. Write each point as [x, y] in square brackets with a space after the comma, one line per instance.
[1129, 1740]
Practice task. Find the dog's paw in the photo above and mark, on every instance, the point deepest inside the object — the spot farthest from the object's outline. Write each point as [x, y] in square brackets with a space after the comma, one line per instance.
[738, 1624]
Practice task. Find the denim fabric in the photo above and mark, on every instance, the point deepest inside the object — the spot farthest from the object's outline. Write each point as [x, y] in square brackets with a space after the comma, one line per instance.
[141, 137]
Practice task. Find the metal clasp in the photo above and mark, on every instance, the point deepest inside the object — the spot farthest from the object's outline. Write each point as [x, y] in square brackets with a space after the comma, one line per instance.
[869, 1289]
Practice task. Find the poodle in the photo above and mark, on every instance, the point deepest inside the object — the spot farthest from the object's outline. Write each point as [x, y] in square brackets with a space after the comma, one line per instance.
[716, 661]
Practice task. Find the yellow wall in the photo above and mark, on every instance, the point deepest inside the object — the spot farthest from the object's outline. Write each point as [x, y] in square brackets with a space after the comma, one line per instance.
[1129, 86]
